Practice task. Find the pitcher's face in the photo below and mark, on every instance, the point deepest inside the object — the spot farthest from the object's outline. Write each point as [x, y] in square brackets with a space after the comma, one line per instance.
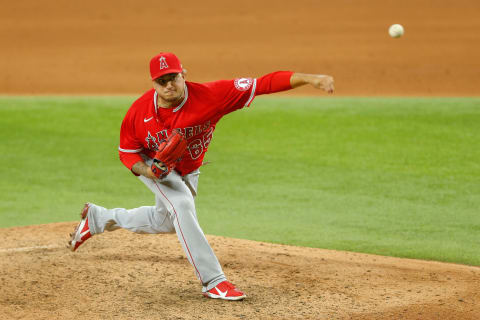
[170, 87]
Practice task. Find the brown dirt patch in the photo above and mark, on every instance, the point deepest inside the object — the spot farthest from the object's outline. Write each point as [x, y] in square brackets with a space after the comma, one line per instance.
[122, 275]
[104, 46]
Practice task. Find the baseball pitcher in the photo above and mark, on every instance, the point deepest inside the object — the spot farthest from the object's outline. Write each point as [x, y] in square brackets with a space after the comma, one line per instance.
[163, 140]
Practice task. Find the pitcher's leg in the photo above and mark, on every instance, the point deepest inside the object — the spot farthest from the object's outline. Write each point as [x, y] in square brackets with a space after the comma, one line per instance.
[147, 219]
[178, 199]
[196, 246]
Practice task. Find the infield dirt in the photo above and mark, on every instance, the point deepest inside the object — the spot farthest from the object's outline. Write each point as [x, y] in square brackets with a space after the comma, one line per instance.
[103, 47]
[122, 275]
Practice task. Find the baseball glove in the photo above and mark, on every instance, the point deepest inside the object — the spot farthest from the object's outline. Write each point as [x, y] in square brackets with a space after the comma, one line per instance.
[168, 154]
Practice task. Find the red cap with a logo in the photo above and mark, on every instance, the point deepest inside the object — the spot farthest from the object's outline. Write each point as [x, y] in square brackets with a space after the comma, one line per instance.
[164, 63]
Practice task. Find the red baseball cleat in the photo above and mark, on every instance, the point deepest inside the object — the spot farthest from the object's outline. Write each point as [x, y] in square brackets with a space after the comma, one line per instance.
[82, 232]
[224, 290]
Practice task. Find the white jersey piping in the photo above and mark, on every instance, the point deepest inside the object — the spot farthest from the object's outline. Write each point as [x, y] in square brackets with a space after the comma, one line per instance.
[252, 94]
[184, 100]
[130, 150]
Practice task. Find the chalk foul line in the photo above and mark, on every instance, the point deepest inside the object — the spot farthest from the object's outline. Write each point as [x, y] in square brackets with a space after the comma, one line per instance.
[22, 249]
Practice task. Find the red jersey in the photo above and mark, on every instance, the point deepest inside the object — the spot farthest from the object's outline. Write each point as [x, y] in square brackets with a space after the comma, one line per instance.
[146, 124]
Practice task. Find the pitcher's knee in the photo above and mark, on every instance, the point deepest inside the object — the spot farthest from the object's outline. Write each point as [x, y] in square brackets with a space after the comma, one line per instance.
[161, 221]
[184, 206]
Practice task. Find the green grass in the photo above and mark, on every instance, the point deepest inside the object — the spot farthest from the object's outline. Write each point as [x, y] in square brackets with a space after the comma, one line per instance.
[389, 176]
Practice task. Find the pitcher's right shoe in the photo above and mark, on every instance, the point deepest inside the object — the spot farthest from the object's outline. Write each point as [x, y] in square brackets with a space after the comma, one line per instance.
[82, 232]
[224, 290]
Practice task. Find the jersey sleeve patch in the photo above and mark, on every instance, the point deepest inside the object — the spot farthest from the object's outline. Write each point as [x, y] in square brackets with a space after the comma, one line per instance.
[243, 84]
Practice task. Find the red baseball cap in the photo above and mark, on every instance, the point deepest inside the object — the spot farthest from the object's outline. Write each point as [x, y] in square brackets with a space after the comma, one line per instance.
[164, 63]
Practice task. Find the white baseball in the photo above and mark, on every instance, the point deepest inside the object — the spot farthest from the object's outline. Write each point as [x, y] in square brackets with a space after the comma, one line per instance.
[396, 30]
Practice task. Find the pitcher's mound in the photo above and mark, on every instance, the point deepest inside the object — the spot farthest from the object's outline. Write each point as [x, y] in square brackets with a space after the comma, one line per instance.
[121, 275]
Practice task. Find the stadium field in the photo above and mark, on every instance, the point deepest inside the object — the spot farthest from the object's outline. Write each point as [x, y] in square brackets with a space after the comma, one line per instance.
[390, 176]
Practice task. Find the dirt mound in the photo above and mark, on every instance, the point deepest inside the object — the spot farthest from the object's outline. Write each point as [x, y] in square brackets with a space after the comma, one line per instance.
[122, 275]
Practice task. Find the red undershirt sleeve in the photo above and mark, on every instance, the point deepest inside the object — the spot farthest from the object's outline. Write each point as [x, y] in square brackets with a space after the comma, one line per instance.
[129, 148]
[129, 159]
[274, 82]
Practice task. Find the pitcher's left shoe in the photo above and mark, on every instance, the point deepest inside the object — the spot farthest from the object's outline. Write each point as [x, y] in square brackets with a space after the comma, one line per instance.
[224, 290]
[82, 232]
